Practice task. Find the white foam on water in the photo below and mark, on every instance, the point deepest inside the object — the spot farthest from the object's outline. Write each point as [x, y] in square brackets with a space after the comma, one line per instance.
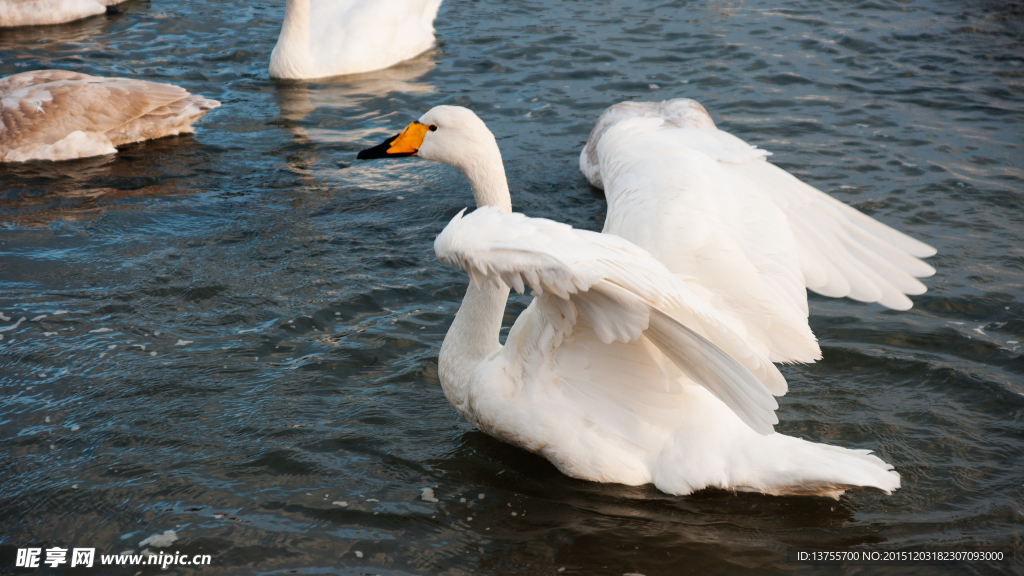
[100, 330]
[160, 540]
[427, 494]
[183, 342]
[12, 326]
[38, 318]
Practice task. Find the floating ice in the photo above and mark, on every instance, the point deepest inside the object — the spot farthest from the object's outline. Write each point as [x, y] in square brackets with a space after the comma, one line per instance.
[112, 346]
[152, 353]
[49, 333]
[47, 419]
[359, 554]
[372, 500]
[100, 330]
[182, 342]
[75, 428]
[341, 503]
[428, 495]
[59, 312]
[463, 500]
[160, 540]
[480, 496]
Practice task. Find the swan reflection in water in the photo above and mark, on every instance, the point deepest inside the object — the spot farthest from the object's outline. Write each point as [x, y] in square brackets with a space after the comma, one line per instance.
[299, 100]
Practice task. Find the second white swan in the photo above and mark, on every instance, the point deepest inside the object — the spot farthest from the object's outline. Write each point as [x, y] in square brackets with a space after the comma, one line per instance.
[322, 38]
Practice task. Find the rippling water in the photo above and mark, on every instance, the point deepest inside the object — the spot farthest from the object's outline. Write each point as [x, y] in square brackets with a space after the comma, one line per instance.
[224, 334]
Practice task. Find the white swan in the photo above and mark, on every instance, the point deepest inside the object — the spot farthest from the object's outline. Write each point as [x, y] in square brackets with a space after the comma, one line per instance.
[61, 115]
[618, 371]
[334, 37]
[749, 234]
[41, 12]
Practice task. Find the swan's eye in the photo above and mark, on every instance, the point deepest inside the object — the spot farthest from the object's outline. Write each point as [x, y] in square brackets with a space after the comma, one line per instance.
[433, 127]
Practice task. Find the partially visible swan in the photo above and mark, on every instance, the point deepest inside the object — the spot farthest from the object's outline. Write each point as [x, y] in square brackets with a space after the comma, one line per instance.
[711, 207]
[334, 37]
[61, 115]
[618, 371]
[41, 12]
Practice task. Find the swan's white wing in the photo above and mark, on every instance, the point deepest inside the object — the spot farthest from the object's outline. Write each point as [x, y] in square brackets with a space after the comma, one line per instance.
[600, 292]
[844, 252]
[56, 114]
[688, 208]
[841, 251]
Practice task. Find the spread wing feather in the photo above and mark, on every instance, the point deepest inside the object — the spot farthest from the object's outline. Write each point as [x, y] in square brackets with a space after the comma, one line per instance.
[600, 292]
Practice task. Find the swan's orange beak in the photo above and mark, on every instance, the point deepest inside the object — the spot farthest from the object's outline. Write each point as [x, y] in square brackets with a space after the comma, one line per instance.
[406, 143]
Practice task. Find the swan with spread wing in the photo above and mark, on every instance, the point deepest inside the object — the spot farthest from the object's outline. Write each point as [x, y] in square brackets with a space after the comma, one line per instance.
[619, 370]
[749, 236]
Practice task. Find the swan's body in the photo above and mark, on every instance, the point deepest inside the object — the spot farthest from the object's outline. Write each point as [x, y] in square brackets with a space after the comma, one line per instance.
[42, 12]
[61, 115]
[711, 207]
[619, 370]
[322, 38]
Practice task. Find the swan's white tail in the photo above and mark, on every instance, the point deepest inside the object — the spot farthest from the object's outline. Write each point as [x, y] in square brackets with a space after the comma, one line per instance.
[776, 464]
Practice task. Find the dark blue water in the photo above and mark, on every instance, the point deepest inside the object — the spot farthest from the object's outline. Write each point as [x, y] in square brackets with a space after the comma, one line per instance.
[226, 333]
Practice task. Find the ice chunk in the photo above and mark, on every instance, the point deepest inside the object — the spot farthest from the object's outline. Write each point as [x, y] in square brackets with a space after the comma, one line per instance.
[428, 495]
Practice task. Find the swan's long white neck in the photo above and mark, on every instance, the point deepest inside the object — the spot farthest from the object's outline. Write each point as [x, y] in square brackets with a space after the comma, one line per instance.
[474, 332]
[291, 56]
[486, 175]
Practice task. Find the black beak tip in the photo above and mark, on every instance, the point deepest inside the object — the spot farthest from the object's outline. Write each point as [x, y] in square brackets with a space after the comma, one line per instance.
[379, 151]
